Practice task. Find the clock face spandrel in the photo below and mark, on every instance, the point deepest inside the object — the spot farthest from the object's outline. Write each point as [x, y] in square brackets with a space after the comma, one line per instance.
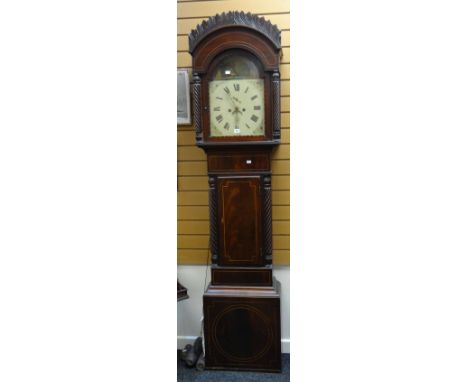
[237, 107]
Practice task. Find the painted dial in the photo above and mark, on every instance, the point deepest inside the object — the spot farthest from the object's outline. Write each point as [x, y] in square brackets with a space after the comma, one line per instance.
[237, 107]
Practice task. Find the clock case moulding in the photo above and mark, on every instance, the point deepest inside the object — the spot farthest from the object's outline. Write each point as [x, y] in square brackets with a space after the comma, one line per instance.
[242, 303]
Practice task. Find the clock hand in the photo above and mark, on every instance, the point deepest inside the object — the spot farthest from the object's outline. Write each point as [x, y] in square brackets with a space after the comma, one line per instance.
[232, 101]
[236, 119]
[237, 111]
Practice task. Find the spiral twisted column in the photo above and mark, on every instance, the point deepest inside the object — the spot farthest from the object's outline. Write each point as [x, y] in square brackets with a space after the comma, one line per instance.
[276, 105]
[213, 207]
[197, 106]
[267, 220]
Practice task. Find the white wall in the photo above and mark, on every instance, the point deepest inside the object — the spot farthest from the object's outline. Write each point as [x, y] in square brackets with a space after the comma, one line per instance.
[189, 312]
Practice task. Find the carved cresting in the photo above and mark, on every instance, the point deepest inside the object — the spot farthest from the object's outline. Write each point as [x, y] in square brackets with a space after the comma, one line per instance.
[276, 106]
[197, 105]
[267, 230]
[213, 219]
[235, 18]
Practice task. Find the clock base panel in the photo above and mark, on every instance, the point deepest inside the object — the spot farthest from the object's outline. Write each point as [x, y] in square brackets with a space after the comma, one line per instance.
[242, 328]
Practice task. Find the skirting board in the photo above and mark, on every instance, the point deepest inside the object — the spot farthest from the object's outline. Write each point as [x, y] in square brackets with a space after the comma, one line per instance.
[184, 340]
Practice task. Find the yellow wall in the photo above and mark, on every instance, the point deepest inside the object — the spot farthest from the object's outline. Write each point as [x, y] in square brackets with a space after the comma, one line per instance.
[192, 177]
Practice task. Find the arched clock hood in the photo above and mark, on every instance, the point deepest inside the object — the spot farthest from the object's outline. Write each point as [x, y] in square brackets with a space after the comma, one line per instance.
[227, 32]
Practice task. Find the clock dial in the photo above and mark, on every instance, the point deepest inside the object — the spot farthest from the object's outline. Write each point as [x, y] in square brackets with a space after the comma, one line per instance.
[237, 107]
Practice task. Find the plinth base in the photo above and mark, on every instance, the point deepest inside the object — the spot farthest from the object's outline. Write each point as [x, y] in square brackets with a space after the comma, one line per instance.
[242, 328]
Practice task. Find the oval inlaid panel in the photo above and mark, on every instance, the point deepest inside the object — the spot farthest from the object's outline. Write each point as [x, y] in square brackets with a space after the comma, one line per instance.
[242, 333]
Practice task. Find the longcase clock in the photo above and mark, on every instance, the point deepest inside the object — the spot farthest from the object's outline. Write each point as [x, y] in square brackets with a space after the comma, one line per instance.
[236, 99]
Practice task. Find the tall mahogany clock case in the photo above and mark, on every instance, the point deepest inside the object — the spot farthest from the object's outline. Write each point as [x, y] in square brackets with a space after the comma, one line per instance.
[236, 99]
